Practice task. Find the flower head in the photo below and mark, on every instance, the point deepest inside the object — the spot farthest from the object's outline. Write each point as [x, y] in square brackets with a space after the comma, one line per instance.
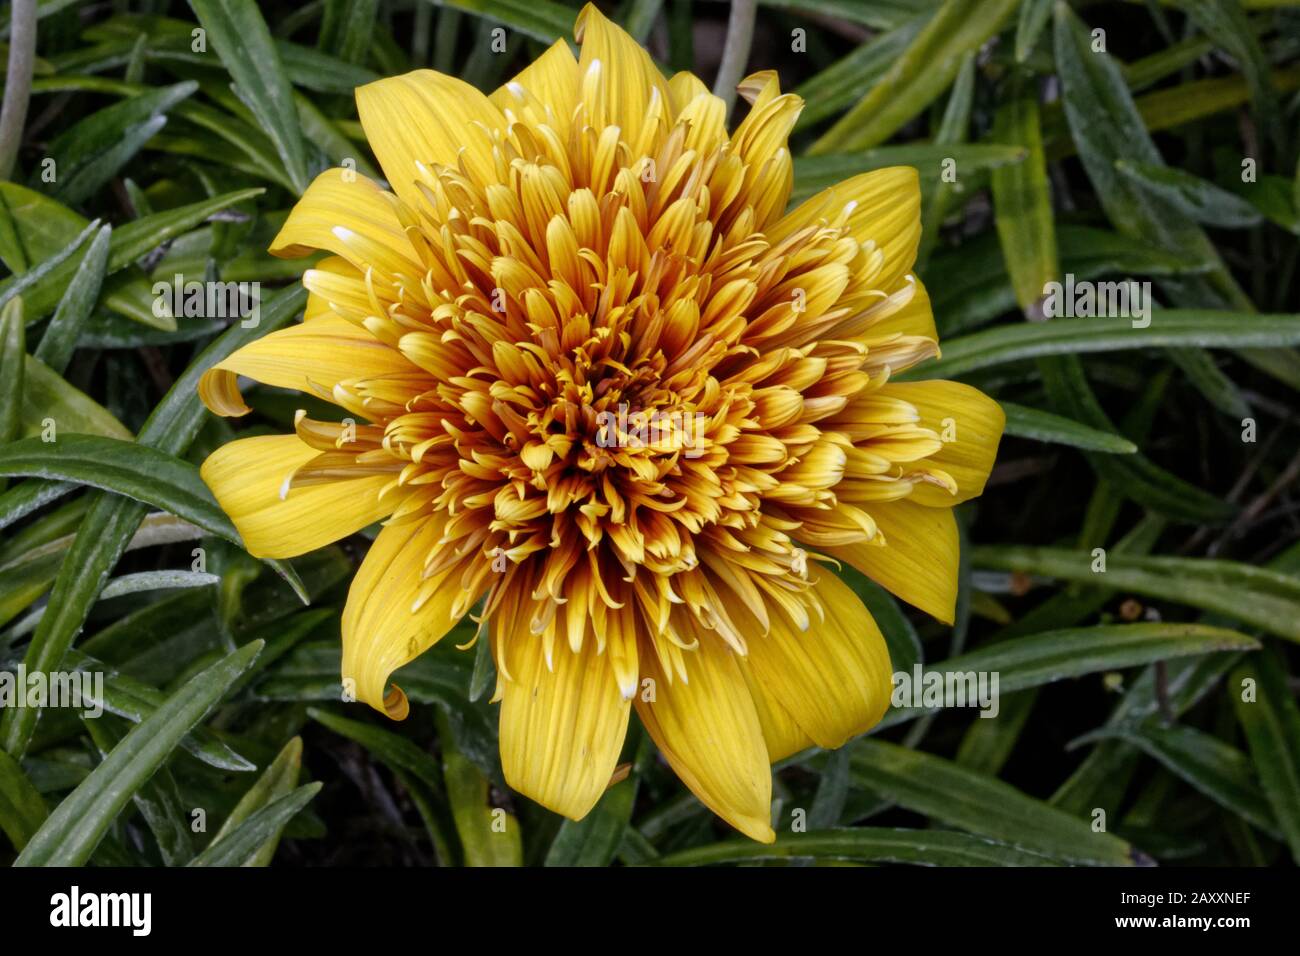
[594, 376]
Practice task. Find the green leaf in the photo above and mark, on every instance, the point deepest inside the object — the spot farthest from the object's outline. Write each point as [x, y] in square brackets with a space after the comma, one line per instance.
[158, 800]
[394, 750]
[1135, 476]
[1022, 203]
[488, 836]
[48, 227]
[60, 338]
[18, 502]
[938, 195]
[136, 701]
[1271, 721]
[13, 357]
[1043, 426]
[77, 825]
[111, 520]
[22, 811]
[1194, 197]
[949, 793]
[1040, 659]
[278, 780]
[46, 397]
[347, 27]
[240, 37]
[1107, 126]
[261, 827]
[864, 845]
[125, 468]
[1173, 327]
[594, 840]
[93, 151]
[1226, 24]
[976, 287]
[814, 173]
[916, 78]
[1269, 600]
[542, 20]
[417, 769]
[1222, 773]
[24, 278]
[842, 82]
[1029, 27]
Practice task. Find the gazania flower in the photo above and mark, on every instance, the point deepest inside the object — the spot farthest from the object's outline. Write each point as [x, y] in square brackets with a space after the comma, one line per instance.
[593, 375]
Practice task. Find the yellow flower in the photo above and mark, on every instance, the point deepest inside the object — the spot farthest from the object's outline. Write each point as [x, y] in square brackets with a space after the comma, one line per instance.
[595, 376]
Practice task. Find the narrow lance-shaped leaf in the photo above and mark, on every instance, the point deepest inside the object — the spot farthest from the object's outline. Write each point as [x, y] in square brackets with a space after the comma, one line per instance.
[262, 826]
[842, 82]
[864, 845]
[1037, 425]
[240, 37]
[13, 358]
[158, 799]
[111, 521]
[60, 338]
[918, 76]
[1173, 327]
[22, 811]
[1266, 709]
[1040, 659]
[984, 806]
[1022, 202]
[1195, 197]
[1034, 15]
[278, 780]
[1221, 772]
[41, 217]
[52, 407]
[937, 193]
[77, 825]
[93, 151]
[1136, 476]
[1269, 600]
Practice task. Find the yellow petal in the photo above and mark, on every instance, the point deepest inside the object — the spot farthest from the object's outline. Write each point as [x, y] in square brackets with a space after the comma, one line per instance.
[919, 560]
[380, 630]
[782, 735]
[626, 81]
[708, 730]
[562, 727]
[969, 422]
[248, 477]
[882, 206]
[549, 82]
[349, 215]
[761, 141]
[683, 87]
[422, 118]
[834, 678]
[914, 319]
[336, 287]
[324, 352]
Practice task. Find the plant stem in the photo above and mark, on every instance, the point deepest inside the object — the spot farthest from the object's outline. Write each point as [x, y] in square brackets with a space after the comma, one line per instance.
[18, 83]
[735, 55]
